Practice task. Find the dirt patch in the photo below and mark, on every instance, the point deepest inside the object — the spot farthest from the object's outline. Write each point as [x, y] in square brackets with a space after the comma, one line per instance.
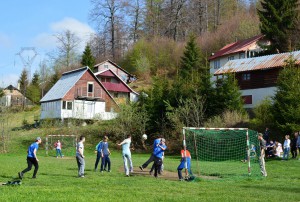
[165, 174]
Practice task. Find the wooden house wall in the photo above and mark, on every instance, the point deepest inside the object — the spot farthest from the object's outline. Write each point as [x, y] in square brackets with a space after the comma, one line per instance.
[258, 79]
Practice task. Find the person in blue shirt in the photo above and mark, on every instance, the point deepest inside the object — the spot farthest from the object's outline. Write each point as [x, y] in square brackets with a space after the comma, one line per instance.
[127, 155]
[32, 158]
[105, 155]
[158, 154]
[152, 158]
[99, 154]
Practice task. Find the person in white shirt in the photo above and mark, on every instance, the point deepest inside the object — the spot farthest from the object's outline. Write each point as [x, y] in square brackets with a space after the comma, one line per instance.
[127, 155]
[80, 156]
[286, 147]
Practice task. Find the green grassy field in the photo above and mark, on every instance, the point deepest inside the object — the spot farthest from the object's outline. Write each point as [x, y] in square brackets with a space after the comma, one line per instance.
[57, 178]
[57, 181]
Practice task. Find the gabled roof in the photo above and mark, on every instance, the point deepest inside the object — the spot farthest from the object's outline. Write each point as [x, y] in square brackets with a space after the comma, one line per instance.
[66, 82]
[258, 63]
[236, 47]
[11, 87]
[117, 87]
[114, 64]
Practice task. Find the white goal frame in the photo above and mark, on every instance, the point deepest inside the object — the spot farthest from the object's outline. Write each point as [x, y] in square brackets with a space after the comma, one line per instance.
[202, 128]
[50, 136]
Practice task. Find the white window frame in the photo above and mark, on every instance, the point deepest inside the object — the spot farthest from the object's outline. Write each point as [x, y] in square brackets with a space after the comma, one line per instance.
[93, 90]
[217, 64]
[246, 77]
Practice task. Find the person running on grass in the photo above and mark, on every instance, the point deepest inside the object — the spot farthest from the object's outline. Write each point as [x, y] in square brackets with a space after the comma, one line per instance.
[32, 158]
[127, 155]
[158, 153]
[152, 157]
[80, 157]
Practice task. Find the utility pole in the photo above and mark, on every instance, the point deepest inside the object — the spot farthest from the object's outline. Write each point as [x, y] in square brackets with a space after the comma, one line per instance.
[27, 62]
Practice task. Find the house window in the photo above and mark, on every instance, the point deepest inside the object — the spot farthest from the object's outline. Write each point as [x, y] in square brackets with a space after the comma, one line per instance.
[247, 99]
[246, 77]
[217, 64]
[105, 66]
[115, 95]
[231, 58]
[241, 55]
[64, 104]
[90, 87]
[69, 105]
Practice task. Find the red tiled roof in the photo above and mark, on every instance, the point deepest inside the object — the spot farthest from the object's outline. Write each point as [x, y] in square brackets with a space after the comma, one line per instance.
[107, 74]
[116, 87]
[239, 46]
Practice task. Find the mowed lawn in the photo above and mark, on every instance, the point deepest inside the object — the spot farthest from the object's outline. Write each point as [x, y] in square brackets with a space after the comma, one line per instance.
[57, 181]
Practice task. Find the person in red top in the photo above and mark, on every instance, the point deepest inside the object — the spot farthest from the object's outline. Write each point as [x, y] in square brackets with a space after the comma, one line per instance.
[185, 162]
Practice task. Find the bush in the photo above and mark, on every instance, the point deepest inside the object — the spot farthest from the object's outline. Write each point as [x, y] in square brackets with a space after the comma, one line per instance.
[228, 119]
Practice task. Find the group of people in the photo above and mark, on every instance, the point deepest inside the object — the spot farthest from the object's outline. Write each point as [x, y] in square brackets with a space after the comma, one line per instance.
[276, 149]
[103, 152]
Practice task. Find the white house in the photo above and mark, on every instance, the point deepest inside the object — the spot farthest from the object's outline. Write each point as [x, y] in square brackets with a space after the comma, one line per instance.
[78, 94]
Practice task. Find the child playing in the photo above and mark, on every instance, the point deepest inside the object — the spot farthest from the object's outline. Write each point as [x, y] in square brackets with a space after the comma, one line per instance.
[58, 148]
[184, 163]
[158, 153]
[105, 154]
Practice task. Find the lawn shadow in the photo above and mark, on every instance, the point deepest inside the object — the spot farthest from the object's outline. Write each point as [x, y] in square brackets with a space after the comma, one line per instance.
[274, 188]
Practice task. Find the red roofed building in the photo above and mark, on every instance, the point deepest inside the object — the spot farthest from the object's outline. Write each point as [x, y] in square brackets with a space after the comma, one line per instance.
[120, 91]
[247, 48]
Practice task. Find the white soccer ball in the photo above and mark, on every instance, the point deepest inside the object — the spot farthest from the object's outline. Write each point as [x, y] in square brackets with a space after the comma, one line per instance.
[144, 137]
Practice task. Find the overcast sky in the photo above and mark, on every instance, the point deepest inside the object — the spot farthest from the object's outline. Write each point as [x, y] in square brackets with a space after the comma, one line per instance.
[33, 23]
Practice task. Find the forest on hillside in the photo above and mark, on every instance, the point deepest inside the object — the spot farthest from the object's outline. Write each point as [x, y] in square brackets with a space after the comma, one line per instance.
[166, 44]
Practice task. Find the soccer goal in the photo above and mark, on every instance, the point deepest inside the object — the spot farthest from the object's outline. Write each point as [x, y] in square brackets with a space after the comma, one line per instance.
[68, 143]
[223, 152]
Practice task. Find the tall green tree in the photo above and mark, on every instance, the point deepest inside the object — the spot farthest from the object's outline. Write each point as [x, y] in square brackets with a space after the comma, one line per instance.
[191, 61]
[286, 107]
[278, 22]
[33, 91]
[87, 58]
[23, 81]
[228, 96]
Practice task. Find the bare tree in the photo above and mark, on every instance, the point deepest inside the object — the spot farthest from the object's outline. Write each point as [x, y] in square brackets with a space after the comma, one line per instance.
[68, 43]
[136, 12]
[107, 14]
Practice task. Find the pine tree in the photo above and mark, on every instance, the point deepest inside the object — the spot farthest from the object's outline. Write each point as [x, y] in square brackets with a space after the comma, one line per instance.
[23, 80]
[191, 61]
[228, 96]
[278, 20]
[286, 107]
[33, 91]
[88, 58]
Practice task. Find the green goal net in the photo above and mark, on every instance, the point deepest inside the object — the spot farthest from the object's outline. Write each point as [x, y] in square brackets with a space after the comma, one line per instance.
[223, 152]
[68, 144]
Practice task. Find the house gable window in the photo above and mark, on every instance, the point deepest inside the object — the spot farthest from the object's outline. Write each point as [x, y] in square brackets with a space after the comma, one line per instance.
[217, 64]
[246, 77]
[90, 87]
[105, 66]
[231, 58]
